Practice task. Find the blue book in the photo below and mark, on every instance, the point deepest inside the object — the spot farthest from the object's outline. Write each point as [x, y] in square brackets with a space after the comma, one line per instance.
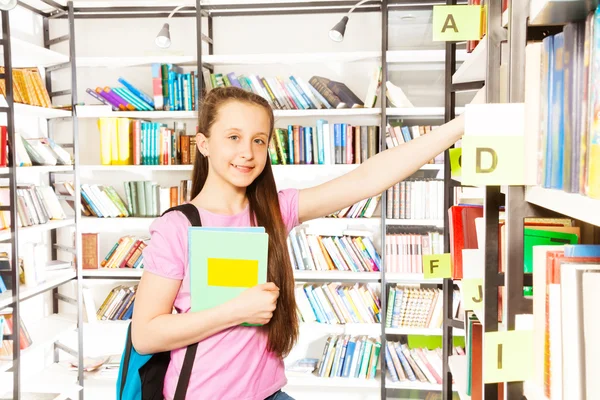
[390, 365]
[547, 83]
[320, 140]
[291, 143]
[138, 93]
[337, 143]
[556, 136]
[349, 357]
[308, 148]
[343, 141]
[2, 290]
[582, 250]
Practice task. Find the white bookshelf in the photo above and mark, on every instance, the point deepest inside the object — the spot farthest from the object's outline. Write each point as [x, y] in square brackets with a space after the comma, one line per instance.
[337, 276]
[421, 331]
[415, 222]
[43, 332]
[473, 69]
[48, 226]
[558, 12]
[27, 111]
[53, 279]
[339, 329]
[315, 382]
[431, 387]
[52, 379]
[397, 277]
[572, 205]
[39, 169]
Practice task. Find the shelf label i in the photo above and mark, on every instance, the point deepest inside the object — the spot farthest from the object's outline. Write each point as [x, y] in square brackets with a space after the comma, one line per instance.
[456, 23]
[507, 356]
[472, 294]
[437, 266]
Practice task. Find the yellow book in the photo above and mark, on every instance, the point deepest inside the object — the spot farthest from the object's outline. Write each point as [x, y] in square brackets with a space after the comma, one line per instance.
[106, 126]
[123, 143]
[593, 179]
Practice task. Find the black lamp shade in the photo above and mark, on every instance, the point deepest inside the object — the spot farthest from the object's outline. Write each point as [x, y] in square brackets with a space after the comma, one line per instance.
[163, 39]
[337, 32]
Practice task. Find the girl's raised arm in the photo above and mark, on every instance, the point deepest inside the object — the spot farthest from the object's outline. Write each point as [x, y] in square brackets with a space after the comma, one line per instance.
[378, 173]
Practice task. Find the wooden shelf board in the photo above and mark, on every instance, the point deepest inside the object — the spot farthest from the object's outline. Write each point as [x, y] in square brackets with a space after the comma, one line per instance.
[53, 279]
[572, 205]
[6, 234]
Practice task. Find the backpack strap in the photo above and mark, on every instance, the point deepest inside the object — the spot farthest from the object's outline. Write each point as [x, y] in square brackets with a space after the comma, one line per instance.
[192, 214]
[128, 348]
[190, 211]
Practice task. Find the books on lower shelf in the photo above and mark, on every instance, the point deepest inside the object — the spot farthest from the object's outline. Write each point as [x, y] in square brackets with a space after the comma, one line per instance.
[414, 307]
[396, 135]
[327, 143]
[36, 205]
[6, 350]
[416, 365]
[363, 209]
[118, 304]
[348, 356]
[325, 253]
[125, 253]
[33, 151]
[416, 199]
[336, 303]
[405, 252]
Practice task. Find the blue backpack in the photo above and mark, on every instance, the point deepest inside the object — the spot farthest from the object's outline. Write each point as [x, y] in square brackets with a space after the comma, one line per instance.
[141, 377]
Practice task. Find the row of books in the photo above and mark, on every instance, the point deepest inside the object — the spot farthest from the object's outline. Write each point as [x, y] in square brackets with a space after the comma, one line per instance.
[35, 205]
[404, 252]
[6, 328]
[416, 199]
[324, 144]
[144, 199]
[336, 303]
[33, 151]
[332, 253]
[28, 87]
[125, 253]
[125, 141]
[295, 94]
[348, 356]
[118, 304]
[363, 209]
[415, 365]
[125, 98]
[569, 142]
[175, 90]
[414, 307]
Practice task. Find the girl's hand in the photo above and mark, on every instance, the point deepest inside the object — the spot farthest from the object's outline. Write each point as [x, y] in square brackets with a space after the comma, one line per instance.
[257, 304]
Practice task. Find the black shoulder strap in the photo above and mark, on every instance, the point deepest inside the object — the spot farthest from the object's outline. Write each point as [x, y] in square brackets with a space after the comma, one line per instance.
[192, 214]
[128, 347]
[190, 211]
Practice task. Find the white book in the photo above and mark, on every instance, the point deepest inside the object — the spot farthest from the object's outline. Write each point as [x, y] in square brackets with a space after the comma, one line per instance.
[591, 332]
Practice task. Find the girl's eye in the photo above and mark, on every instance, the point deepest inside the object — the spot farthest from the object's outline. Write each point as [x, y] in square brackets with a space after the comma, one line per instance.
[234, 137]
[259, 141]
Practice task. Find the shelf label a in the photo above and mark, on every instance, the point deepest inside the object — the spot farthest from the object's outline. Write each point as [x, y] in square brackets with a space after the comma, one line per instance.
[508, 356]
[472, 292]
[437, 266]
[456, 23]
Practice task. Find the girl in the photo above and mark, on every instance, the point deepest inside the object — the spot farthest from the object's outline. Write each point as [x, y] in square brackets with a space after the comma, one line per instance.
[233, 185]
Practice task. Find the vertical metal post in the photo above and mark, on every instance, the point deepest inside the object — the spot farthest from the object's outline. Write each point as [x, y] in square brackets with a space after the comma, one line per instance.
[447, 286]
[77, 200]
[210, 35]
[199, 43]
[382, 144]
[495, 34]
[14, 216]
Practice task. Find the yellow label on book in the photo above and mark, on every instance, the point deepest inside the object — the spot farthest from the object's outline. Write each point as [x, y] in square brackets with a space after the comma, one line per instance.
[232, 273]
[456, 23]
[437, 266]
[472, 293]
[492, 160]
[455, 161]
[507, 356]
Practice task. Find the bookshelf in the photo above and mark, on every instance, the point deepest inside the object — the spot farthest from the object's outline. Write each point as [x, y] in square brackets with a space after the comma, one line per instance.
[104, 64]
[33, 349]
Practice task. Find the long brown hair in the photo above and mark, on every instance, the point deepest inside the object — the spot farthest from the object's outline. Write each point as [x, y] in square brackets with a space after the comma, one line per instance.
[264, 211]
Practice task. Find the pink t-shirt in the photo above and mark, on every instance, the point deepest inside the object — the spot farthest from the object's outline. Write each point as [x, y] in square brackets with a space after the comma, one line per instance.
[232, 364]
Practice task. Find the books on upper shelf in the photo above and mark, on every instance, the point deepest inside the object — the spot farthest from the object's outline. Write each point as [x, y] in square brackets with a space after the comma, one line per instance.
[405, 252]
[416, 364]
[415, 307]
[416, 199]
[35, 205]
[332, 253]
[295, 94]
[324, 144]
[28, 87]
[348, 356]
[363, 209]
[396, 134]
[125, 141]
[337, 303]
[562, 101]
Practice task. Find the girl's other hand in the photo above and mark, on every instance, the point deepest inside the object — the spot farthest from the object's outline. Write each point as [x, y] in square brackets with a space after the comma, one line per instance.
[257, 304]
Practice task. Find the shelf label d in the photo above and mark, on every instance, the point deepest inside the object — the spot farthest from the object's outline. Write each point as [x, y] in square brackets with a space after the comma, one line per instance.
[437, 266]
[456, 23]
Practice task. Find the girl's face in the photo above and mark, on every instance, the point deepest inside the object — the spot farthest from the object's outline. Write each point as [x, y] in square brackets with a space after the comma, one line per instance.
[237, 148]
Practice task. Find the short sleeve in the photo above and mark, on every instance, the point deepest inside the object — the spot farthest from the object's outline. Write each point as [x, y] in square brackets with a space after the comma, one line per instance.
[166, 253]
[288, 204]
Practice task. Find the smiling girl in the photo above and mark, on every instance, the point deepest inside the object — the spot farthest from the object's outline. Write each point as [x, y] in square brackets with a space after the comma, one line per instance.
[233, 186]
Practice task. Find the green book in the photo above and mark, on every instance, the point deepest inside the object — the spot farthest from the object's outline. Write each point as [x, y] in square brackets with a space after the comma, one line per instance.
[224, 262]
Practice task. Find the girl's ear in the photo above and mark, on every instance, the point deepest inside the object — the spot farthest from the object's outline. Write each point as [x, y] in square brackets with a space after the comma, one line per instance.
[202, 143]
